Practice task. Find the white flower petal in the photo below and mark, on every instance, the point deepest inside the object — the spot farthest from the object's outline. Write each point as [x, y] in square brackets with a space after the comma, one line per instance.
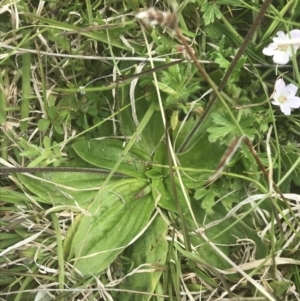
[280, 86]
[291, 90]
[281, 35]
[281, 57]
[289, 51]
[270, 50]
[282, 53]
[285, 110]
[293, 102]
[295, 34]
[278, 40]
[284, 96]
[276, 103]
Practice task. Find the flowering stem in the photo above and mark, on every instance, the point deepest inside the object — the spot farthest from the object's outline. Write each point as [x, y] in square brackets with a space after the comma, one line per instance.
[211, 83]
[9, 170]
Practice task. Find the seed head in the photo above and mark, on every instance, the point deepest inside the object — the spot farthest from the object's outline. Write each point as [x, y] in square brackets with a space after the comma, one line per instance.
[154, 17]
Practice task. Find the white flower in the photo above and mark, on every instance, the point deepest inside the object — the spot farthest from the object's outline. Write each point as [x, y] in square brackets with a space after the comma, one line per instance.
[282, 53]
[82, 88]
[284, 96]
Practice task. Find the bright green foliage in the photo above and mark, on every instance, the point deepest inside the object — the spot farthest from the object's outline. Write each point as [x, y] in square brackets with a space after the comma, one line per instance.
[211, 12]
[68, 189]
[226, 130]
[183, 85]
[105, 153]
[208, 199]
[43, 124]
[117, 217]
[93, 233]
[148, 253]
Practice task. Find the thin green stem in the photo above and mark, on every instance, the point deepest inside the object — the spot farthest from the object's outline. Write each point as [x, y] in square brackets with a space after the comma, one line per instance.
[3, 118]
[217, 90]
[278, 20]
[25, 104]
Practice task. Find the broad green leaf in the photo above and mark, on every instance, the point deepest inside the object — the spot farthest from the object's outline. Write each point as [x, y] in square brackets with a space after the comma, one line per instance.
[224, 234]
[153, 174]
[160, 157]
[74, 189]
[105, 153]
[118, 217]
[162, 191]
[151, 248]
[200, 136]
[201, 156]
[153, 131]
[200, 161]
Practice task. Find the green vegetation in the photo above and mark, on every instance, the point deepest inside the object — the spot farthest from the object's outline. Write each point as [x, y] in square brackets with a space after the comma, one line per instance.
[88, 85]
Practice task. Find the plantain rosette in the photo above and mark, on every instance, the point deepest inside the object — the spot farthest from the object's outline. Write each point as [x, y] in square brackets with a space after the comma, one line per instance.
[119, 214]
